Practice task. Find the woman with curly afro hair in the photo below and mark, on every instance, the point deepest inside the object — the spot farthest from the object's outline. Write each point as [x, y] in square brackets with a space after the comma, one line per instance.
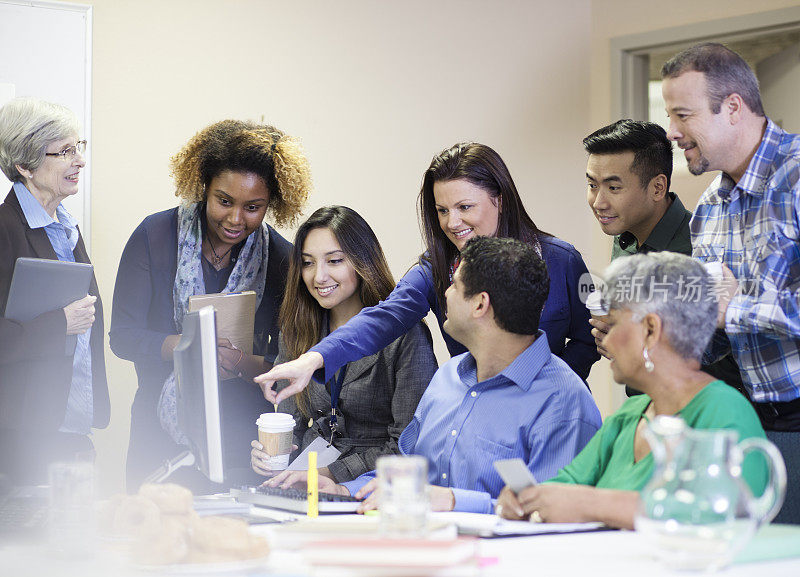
[229, 177]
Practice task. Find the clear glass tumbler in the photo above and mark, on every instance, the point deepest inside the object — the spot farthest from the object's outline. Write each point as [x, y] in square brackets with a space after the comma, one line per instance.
[72, 508]
[403, 495]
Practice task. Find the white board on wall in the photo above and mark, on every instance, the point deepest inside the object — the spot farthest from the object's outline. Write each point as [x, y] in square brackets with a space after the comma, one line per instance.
[46, 52]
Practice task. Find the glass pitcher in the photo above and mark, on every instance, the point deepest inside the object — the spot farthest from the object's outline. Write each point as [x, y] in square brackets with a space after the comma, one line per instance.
[697, 511]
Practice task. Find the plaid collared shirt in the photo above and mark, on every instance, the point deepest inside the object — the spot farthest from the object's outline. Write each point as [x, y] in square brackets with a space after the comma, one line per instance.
[753, 226]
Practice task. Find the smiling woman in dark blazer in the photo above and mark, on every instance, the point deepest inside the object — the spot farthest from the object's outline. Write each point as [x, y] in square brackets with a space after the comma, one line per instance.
[49, 401]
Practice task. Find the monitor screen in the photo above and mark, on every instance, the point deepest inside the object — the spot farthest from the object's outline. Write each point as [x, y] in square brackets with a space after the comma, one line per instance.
[197, 391]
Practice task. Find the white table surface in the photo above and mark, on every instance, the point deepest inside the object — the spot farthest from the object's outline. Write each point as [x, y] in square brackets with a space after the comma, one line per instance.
[594, 554]
[600, 554]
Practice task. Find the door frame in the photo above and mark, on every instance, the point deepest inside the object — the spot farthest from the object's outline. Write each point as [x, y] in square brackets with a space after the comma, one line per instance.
[629, 54]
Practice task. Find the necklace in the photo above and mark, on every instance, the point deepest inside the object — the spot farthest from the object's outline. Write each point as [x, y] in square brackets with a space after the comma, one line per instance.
[217, 259]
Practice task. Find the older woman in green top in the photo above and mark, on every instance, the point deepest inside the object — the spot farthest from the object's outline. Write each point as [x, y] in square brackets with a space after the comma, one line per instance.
[662, 314]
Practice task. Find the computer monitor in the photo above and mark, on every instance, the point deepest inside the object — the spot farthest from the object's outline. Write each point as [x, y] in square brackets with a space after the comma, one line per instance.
[197, 391]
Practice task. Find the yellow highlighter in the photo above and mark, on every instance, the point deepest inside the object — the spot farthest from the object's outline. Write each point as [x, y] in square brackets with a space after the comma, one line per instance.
[313, 485]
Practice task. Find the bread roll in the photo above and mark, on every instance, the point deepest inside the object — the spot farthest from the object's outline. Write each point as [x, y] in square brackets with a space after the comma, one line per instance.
[172, 499]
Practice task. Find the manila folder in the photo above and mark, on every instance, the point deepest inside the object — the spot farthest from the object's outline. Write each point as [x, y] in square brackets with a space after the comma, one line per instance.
[236, 316]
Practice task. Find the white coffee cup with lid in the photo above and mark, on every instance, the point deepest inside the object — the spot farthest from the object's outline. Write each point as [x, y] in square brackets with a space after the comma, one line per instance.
[275, 433]
[597, 308]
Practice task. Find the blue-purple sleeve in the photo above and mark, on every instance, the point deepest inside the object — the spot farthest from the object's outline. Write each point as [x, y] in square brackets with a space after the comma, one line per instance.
[375, 327]
[580, 352]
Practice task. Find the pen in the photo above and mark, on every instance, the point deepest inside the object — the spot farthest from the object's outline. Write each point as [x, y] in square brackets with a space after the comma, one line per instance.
[313, 485]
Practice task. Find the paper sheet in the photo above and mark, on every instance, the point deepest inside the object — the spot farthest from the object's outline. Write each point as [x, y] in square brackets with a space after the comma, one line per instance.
[493, 526]
[504, 527]
[325, 455]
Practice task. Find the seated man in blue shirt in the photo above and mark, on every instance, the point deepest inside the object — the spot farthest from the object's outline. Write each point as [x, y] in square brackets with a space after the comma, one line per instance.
[509, 396]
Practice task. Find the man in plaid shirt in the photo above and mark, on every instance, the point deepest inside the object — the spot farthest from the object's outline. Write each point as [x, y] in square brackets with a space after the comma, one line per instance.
[747, 219]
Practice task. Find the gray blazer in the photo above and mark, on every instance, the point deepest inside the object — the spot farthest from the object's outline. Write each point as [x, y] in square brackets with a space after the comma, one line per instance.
[379, 396]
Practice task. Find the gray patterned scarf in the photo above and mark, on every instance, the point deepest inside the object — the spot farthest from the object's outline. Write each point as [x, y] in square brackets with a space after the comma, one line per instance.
[249, 273]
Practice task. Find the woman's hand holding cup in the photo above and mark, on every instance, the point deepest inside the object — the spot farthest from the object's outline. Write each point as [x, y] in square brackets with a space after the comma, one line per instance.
[259, 460]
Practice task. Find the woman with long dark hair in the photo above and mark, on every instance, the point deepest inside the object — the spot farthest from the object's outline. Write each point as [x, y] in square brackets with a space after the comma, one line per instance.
[337, 268]
[467, 191]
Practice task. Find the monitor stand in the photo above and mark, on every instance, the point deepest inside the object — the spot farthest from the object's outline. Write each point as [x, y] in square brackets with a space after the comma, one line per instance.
[185, 459]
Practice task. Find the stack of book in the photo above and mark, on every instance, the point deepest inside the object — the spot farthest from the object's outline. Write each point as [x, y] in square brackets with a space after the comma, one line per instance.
[378, 556]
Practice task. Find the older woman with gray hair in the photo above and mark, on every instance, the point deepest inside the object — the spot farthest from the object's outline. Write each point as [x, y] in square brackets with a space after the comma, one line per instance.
[662, 313]
[49, 400]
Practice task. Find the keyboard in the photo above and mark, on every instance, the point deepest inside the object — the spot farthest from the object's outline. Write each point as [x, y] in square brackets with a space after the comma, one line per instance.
[23, 516]
[294, 500]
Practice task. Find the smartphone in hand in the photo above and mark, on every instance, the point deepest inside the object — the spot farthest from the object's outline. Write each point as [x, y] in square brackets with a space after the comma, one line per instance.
[515, 474]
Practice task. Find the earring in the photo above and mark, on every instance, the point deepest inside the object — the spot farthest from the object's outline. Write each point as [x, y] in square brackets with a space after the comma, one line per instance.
[648, 363]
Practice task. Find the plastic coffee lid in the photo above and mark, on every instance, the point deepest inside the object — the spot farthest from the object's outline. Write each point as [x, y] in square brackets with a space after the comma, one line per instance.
[279, 421]
[594, 302]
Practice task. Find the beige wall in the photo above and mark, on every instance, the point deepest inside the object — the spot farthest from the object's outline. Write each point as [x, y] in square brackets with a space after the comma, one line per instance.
[779, 81]
[374, 89]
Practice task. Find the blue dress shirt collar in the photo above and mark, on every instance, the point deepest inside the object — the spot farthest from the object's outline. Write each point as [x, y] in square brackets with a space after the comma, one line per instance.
[35, 213]
[522, 371]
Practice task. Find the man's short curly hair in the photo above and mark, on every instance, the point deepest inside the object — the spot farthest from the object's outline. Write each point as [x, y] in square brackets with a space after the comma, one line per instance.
[243, 146]
[512, 274]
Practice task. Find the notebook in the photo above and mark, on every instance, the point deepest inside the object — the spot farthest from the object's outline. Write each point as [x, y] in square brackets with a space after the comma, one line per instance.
[236, 316]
